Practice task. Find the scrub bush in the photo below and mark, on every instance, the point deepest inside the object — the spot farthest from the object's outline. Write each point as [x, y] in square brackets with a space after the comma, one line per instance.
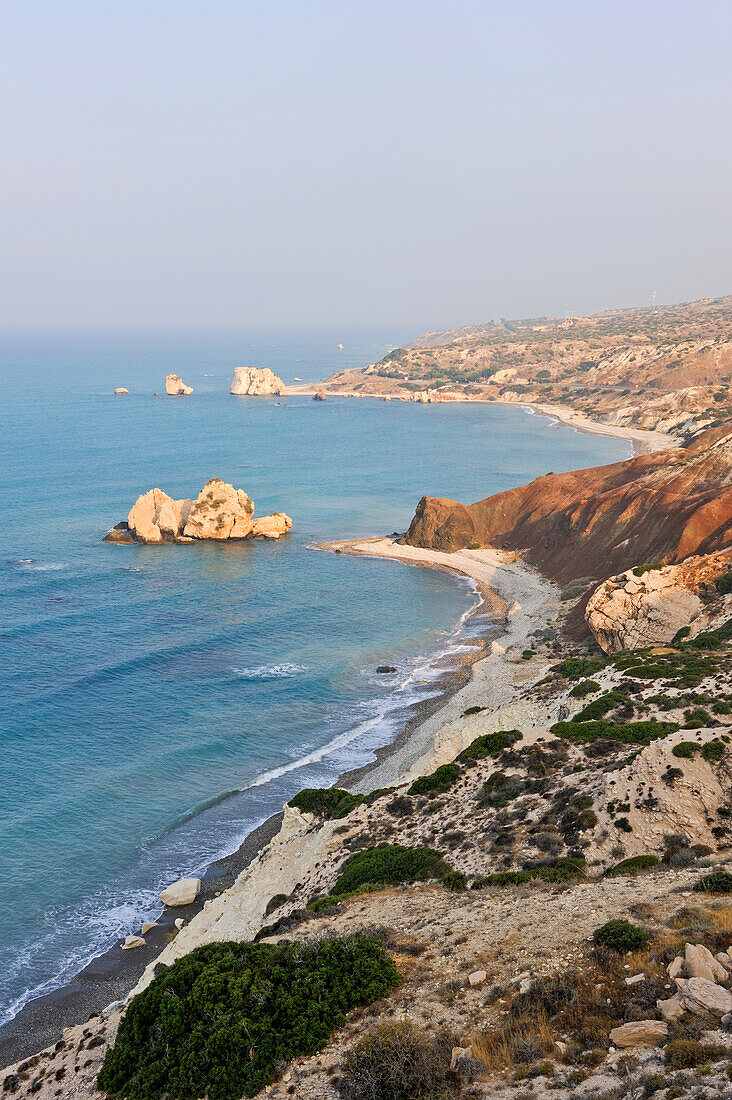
[327, 802]
[621, 936]
[388, 865]
[438, 782]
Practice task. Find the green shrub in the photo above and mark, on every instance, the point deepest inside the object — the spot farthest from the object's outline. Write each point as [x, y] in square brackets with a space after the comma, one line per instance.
[588, 819]
[490, 744]
[327, 802]
[630, 733]
[560, 870]
[438, 782]
[583, 688]
[681, 633]
[575, 589]
[688, 1053]
[455, 880]
[621, 936]
[528, 654]
[633, 865]
[649, 567]
[623, 824]
[697, 718]
[724, 584]
[601, 706]
[397, 1061]
[390, 864]
[685, 750]
[719, 882]
[575, 668]
[712, 639]
[499, 789]
[582, 802]
[219, 1021]
[472, 710]
[713, 751]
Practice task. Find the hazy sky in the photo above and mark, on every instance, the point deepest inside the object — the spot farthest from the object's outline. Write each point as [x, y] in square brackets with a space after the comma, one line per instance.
[333, 163]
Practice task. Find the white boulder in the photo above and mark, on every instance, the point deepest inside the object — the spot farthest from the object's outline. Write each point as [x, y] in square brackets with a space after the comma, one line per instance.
[183, 892]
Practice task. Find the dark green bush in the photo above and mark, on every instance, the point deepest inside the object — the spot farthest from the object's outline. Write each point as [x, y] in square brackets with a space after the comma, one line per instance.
[472, 710]
[685, 750]
[633, 865]
[455, 880]
[713, 751]
[397, 1061]
[218, 1021]
[601, 706]
[621, 936]
[490, 744]
[582, 802]
[499, 789]
[623, 824]
[630, 733]
[575, 668]
[697, 718]
[724, 584]
[438, 782]
[327, 802]
[711, 639]
[583, 688]
[390, 864]
[719, 882]
[560, 870]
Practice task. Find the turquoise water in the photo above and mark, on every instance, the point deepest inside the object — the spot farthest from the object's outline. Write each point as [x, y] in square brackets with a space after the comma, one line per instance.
[157, 703]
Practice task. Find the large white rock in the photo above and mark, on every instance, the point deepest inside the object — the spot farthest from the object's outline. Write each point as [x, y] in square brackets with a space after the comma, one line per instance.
[271, 527]
[176, 387]
[700, 963]
[120, 391]
[155, 517]
[639, 1033]
[256, 382]
[701, 995]
[131, 942]
[220, 512]
[182, 892]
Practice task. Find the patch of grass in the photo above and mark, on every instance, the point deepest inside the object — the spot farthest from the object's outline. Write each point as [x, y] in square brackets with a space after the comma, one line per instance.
[438, 782]
[630, 733]
[490, 744]
[633, 865]
[220, 1020]
[620, 936]
[326, 802]
[688, 1053]
[582, 802]
[390, 864]
[719, 882]
[397, 1061]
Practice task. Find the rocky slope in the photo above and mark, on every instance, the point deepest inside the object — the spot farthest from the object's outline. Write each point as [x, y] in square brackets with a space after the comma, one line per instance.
[219, 512]
[657, 507]
[665, 369]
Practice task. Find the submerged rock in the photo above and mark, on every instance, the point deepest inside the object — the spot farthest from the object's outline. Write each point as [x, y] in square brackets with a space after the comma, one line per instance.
[176, 387]
[256, 382]
[219, 512]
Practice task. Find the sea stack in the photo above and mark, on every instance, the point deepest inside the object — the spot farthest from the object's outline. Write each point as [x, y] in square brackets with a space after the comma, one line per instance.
[176, 387]
[219, 512]
[256, 382]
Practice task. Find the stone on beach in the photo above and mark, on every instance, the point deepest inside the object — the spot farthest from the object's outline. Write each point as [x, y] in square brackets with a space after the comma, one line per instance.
[131, 942]
[176, 387]
[703, 996]
[256, 382]
[183, 892]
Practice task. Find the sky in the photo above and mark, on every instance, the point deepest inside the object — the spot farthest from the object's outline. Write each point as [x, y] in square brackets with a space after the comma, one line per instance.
[357, 163]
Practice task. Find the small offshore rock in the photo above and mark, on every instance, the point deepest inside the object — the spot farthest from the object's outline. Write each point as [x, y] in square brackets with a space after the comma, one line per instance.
[256, 382]
[119, 533]
[176, 387]
[318, 397]
[183, 892]
[384, 669]
[120, 391]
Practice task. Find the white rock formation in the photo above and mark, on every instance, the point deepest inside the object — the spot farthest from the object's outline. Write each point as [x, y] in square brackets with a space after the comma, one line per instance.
[176, 387]
[132, 942]
[120, 391]
[256, 382]
[183, 892]
[700, 995]
[271, 527]
[155, 517]
[220, 512]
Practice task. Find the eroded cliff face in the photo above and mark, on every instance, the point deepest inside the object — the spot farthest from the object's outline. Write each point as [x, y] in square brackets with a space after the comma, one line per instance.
[657, 507]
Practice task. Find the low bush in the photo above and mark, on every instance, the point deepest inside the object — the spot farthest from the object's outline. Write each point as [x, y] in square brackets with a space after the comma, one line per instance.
[629, 733]
[575, 589]
[584, 688]
[559, 870]
[633, 865]
[499, 789]
[455, 881]
[472, 710]
[620, 936]
[711, 751]
[711, 639]
[326, 802]
[388, 865]
[490, 744]
[397, 1061]
[220, 1020]
[719, 882]
[601, 706]
[649, 567]
[696, 718]
[685, 750]
[438, 782]
[575, 668]
[724, 584]
[688, 1053]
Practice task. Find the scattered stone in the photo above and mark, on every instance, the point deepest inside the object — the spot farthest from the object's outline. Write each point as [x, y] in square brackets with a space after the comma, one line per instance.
[700, 963]
[179, 922]
[672, 1008]
[183, 892]
[477, 977]
[639, 1033]
[676, 967]
[635, 979]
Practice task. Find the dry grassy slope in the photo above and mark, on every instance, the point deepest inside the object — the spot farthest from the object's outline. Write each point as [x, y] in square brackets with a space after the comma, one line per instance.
[664, 369]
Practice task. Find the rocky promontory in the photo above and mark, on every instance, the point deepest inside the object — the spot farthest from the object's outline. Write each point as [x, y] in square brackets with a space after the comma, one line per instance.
[176, 387]
[219, 512]
[256, 382]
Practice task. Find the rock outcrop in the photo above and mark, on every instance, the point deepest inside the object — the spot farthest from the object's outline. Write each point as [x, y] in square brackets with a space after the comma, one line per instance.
[647, 606]
[120, 391]
[663, 506]
[176, 387]
[219, 512]
[256, 382]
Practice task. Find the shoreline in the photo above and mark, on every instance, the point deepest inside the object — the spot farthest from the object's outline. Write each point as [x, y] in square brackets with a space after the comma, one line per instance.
[108, 978]
[643, 440]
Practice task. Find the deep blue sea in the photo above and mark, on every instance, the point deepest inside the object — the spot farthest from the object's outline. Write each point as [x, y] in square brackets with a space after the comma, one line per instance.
[157, 703]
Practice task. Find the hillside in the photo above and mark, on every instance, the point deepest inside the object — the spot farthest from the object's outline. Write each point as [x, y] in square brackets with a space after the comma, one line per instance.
[664, 369]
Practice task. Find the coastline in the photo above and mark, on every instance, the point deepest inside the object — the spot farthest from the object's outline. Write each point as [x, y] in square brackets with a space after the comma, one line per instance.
[427, 734]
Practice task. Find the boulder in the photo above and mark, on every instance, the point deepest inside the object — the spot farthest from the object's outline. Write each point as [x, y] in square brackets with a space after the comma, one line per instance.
[131, 942]
[271, 527]
[147, 926]
[256, 382]
[639, 1033]
[176, 387]
[672, 1008]
[477, 977]
[220, 512]
[155, 517]
[702, 996]
[318, 396]
[700, 963]
[183, 892]
[120, 533]
[630, 612]
[120, 391]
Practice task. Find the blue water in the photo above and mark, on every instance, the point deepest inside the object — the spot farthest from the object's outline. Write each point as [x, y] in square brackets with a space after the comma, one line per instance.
[157, 703]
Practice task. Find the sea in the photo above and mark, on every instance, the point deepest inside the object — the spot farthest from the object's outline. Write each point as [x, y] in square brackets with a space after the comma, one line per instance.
[158, 703]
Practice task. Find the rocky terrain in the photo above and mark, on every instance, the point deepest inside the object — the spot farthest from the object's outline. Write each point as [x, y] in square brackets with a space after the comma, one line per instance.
[256, 382]
[219, 512]
[666, 369]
